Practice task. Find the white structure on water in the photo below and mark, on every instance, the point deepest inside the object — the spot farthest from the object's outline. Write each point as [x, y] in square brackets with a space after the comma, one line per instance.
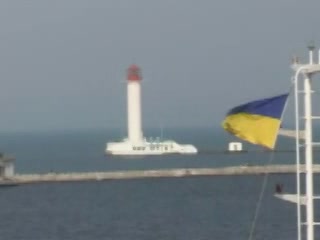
[235, 147]
[6, 167]
[136, 144]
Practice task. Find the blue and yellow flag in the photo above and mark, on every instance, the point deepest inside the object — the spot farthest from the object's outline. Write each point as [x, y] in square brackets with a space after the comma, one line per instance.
[257, 122]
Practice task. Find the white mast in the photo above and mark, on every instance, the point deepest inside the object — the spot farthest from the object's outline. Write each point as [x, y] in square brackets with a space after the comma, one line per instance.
[308, 70]
[134, 104]
[308, 149]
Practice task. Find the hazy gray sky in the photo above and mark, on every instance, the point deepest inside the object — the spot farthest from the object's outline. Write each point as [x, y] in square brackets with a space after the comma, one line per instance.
[63, 62]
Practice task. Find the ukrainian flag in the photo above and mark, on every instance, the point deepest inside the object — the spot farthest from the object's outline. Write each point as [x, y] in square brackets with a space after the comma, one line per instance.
[258, 121]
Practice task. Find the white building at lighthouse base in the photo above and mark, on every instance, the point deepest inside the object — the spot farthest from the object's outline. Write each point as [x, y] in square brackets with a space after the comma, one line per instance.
[151, 147]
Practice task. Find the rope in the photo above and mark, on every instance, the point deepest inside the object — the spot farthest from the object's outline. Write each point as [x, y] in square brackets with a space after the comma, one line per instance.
[258, 206]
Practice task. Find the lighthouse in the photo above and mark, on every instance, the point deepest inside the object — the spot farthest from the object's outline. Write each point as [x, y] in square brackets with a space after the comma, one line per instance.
[134, 78]
[135, 143]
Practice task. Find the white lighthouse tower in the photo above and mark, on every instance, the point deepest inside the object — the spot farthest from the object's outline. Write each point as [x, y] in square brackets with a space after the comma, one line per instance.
[134, 104]
[136, 144]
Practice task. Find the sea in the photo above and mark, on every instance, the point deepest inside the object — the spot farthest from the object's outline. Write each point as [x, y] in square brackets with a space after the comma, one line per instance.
[186, 208]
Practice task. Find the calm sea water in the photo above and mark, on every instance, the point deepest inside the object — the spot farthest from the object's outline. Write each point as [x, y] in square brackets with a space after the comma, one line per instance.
[83, 150]
[166, 208]
[178, 208]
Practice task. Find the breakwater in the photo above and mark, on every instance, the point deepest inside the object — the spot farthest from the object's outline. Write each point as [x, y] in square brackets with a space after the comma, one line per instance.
[133, 174]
